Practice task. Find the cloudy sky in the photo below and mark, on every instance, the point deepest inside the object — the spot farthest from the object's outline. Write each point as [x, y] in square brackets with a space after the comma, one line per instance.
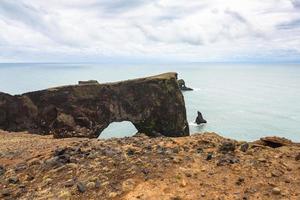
[186, 30]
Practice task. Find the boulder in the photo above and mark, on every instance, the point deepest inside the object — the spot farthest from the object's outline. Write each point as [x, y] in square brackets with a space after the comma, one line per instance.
[153, 104]
[274, 142]
[182, 86]
[199, 119]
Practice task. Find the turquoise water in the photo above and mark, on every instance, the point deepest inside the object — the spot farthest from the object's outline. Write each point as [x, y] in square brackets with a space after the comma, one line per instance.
[241, 101]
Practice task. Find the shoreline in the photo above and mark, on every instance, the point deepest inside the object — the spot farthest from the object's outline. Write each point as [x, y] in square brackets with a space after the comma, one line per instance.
[200, 166]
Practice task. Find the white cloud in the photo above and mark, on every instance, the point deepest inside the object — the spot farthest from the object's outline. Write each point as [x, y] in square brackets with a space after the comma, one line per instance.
[207, 30]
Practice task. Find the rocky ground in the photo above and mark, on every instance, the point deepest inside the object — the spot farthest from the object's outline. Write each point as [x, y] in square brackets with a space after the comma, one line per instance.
[202, 166]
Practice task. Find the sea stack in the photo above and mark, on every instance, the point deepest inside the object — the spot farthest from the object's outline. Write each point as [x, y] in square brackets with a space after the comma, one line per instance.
[182, 86]
[199, 119]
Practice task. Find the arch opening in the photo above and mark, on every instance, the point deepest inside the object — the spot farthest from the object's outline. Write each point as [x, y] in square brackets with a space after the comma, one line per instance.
[118, 130]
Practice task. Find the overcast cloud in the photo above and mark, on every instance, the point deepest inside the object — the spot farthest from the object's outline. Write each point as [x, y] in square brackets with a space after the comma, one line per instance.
[187, 30]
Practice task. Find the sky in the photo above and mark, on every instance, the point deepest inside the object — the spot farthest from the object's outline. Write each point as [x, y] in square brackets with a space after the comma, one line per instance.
[149, 30]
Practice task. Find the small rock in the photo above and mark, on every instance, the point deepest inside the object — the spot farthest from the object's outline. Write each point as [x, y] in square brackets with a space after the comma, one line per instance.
[183, 183]
[128, 185]
[160, 150]
[240, 181]
[29, 177]
[176, 198]
[244, 147]
[276, 191]
[227, 159]
[13, 180]
[34, 161]
[2, 170]
[97, 184]
[47, 181]
[177, 160]
[81, 187]
[276, 173]
[203, 169]
[188, 174]
[72, 165]
[175, 150]
[297, 157]
[60, 151]
[130, 152]
[65, 195]
[261, 159]
[199, 150]
[145, 171]
[227, 147]
[269, 175]
[6, 192]
[112, 195]
[91, 185]
[209, 156]
[69, 183]
[21, 167]
[287, 181]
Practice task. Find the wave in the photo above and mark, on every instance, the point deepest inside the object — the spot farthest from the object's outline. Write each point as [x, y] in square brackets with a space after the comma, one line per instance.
[197, 89]
[192, 124]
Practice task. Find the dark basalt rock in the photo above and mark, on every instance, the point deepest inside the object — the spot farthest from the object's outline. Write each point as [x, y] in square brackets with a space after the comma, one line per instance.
[199, 119]
[13, 180]
[227, 159]
[227, 147]
[182, 86]
[244, 147]
[153, 104]
[81, 187]
[209, 156]
[2, 170]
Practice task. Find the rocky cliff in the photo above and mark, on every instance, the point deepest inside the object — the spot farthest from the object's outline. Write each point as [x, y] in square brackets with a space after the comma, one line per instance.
[154, 105]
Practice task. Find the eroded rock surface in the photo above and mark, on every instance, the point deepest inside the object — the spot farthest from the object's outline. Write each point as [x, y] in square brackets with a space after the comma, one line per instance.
[153, 104]
[202, 166]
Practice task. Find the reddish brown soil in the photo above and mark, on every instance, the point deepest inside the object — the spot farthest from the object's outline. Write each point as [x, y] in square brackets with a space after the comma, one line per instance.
[202, 166]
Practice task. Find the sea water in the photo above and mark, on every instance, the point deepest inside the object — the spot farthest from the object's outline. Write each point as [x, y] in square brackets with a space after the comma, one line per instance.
[240, 101]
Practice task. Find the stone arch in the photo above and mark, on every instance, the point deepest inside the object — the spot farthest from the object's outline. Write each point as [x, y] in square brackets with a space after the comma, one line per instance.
[154, 105]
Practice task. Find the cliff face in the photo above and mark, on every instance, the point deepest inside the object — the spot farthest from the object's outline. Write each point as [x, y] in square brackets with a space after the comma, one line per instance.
[153, 104]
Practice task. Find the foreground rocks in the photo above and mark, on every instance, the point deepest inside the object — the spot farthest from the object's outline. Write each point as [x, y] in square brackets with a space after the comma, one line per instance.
[154, 105]
[201, 166]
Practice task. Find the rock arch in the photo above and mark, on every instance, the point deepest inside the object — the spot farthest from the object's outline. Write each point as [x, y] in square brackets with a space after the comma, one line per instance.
[153, 104]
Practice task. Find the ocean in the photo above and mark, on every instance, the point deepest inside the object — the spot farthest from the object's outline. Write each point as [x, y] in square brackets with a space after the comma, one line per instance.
[240, 101]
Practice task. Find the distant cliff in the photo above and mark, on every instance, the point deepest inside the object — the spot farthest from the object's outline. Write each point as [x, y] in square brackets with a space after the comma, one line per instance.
[155, 105]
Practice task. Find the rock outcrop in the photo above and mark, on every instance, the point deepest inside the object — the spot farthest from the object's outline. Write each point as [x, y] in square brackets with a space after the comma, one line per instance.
[182, 86]
[153, 104]
[200, 119]
[274, 141]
